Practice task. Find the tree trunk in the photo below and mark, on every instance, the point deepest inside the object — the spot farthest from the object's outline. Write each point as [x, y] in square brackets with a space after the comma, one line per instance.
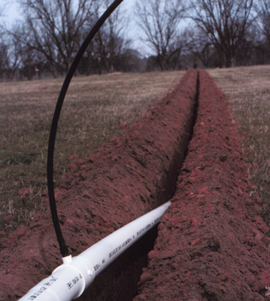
[233, 61]
[161, 62]
[53, 70]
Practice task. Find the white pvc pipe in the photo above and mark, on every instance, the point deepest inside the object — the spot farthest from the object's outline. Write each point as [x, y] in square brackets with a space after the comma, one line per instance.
[70, 279]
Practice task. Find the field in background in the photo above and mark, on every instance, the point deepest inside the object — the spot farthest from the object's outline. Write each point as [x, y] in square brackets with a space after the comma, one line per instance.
[93, 111]
[249, 91]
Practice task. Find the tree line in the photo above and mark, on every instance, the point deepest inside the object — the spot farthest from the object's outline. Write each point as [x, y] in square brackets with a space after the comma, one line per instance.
[180, 34]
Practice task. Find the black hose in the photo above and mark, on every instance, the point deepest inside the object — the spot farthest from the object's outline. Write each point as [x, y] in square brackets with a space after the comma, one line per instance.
[63, 248]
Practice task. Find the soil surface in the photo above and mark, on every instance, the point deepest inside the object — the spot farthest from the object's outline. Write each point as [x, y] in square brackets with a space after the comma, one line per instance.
[123, 180]
[211, 242]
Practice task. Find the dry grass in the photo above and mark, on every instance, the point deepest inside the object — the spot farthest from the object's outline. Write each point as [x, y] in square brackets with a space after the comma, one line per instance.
[249, 91]
[93, 110]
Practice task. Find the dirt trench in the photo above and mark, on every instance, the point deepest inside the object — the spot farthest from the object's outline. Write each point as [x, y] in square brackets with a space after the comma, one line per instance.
[123, 180]
[210, 244]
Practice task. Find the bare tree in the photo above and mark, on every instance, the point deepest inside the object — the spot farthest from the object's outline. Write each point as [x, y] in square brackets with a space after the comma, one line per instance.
[3, 46]
[180, 46]
[3, 58]
[110, 45]
[31, 63]
[203, 49]
[110, 41]
[159, 21]
[11, 52]
[263, 13]
[55, 27]
[225, 23]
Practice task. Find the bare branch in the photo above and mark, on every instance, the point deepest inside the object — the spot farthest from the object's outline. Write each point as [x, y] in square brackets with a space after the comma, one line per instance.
[225, 23]
[55, 27]
[159, 22]
[262, 9]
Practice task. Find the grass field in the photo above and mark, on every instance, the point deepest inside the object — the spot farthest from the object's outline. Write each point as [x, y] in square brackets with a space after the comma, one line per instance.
[249, 91]
[94, 108]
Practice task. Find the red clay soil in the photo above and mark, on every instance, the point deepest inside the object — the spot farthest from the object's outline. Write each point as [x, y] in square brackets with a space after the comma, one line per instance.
[121, 182]
[211, 242]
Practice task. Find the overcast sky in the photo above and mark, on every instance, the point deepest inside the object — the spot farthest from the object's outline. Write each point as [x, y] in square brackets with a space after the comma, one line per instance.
[11, 13]
[133, 32]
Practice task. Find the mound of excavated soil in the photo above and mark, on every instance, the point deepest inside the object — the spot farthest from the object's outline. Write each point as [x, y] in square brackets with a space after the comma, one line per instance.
[211, 243]
[121, 182]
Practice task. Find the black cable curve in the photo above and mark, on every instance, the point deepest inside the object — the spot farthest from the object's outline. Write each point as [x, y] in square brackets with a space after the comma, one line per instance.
[63, 248]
